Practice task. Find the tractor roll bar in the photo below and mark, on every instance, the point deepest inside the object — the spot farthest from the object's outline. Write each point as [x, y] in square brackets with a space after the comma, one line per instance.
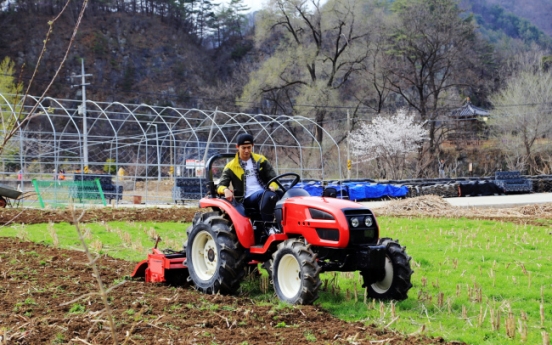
[209, 171]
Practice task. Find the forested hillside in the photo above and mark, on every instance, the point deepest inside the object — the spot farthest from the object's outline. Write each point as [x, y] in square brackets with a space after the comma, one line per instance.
[196, 54]
[356, 59]
[528, 21]
[142, 52]
[538, 12]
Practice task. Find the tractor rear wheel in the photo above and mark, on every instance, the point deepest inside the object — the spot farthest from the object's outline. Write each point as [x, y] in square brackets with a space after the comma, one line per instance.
[215, 258]
[396, 282]
[295, 273]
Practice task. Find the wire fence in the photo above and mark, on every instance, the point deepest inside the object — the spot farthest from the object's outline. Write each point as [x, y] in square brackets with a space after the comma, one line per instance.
[141, 151]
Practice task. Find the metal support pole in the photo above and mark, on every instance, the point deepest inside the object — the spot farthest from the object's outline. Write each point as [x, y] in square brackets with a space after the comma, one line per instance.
[84, 124]
[171, 169]
[21, 161]
[158, 156]
[82, 111]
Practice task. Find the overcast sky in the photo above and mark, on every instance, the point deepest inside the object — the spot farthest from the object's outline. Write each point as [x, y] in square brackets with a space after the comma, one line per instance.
[254, 5]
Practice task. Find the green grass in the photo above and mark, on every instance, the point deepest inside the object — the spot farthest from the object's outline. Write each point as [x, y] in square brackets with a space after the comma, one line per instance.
[467, 272]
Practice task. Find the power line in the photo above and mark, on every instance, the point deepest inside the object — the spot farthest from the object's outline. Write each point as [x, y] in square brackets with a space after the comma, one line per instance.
[256, 104]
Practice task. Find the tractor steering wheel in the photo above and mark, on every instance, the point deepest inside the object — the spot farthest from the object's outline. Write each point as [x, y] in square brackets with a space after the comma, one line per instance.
[276, 179]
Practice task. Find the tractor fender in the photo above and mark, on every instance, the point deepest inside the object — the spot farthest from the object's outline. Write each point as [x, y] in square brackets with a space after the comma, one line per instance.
[242, 225]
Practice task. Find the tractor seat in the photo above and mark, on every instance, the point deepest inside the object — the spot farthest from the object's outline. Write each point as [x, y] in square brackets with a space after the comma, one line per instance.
[294, 192]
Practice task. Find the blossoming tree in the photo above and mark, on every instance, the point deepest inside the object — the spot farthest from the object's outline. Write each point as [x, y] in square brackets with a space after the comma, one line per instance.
[388, 140]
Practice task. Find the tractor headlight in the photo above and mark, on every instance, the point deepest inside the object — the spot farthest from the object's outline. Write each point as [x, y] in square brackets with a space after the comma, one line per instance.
[355, 222]
[368, 221]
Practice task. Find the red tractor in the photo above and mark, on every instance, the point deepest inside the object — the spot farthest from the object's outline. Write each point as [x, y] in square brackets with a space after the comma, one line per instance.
[317, 234]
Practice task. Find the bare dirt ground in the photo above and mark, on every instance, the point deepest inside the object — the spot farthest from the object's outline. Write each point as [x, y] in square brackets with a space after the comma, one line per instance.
[38, 216]
[50, 296]
[434, 206]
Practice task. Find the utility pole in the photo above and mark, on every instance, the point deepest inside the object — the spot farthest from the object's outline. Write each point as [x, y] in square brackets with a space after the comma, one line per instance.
[82, 110]
[348, 147]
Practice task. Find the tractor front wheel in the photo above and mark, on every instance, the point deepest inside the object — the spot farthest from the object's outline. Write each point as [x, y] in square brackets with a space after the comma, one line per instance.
[214, 256]
[295, 273]
[396, 282]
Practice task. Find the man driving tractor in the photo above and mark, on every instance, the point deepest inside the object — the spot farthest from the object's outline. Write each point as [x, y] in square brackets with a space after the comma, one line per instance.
[249, 173]
[315, 235]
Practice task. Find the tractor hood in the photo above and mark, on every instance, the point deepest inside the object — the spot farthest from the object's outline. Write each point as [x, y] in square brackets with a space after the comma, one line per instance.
[329, 222]
[324, 202]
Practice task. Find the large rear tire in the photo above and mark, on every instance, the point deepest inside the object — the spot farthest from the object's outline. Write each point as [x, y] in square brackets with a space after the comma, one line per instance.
[396, 281]
[295, 273]
[215, 258]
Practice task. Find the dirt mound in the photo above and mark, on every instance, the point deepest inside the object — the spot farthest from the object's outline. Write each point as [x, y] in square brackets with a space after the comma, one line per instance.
[423, 204]
[435, 206]
[50, 296]
[538, 210]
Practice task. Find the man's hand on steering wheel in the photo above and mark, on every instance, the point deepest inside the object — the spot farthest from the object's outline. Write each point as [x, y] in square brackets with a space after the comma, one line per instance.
[276, 179]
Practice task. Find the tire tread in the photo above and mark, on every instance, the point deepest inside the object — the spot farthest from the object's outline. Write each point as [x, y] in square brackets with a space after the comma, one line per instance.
[231, 270]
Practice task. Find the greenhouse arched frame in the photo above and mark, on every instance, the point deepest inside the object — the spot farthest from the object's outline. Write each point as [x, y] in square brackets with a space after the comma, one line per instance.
[146, 147]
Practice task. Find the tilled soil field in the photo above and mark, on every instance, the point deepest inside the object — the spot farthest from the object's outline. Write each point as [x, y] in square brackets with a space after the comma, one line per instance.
[51, 296]
[107, 214]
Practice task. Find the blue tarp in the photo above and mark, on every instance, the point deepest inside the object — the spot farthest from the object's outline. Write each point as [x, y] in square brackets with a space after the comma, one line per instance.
[357, 191]
[313, 188]
[363, 191]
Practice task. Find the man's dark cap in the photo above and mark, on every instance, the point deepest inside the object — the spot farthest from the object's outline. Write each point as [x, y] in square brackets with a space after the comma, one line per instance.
[245, 139]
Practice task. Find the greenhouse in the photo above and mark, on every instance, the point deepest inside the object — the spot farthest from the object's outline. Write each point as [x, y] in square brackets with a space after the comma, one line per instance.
[148, 150]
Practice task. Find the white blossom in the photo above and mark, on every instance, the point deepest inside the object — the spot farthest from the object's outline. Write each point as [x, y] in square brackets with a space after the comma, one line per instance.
[389, 139]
